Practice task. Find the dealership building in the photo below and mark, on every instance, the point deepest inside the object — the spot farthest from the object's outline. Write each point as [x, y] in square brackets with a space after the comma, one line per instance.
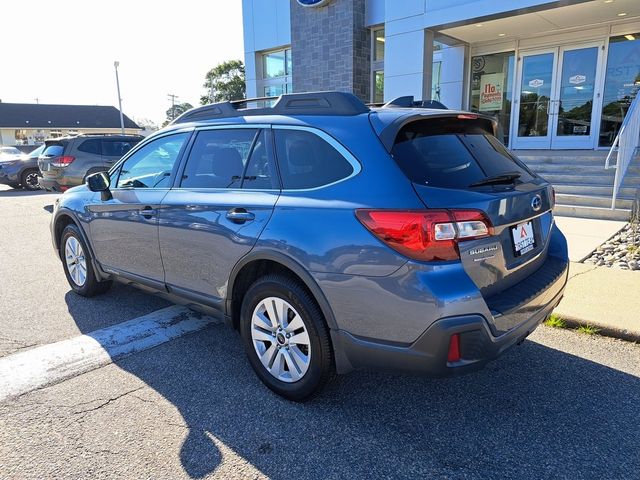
[559, 76]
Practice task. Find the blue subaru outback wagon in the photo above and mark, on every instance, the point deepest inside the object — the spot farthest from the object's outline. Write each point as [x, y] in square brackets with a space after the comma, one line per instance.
[332, 235]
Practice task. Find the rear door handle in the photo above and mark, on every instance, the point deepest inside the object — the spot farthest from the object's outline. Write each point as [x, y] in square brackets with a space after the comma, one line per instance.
[148, 212]
[240, 215]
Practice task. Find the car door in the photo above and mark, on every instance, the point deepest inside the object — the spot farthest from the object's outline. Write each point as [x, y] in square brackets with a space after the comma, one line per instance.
[124, 224]
[227, 192]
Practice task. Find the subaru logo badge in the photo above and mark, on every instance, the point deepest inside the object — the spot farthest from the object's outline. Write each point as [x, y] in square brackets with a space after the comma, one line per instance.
[313, 3]
[536, 203]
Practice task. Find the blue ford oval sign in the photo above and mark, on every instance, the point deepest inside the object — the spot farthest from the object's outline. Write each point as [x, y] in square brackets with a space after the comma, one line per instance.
[313, 3]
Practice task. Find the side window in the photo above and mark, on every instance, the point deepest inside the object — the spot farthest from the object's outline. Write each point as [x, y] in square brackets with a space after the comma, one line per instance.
[308, 161]
[116, 148]
[90, 146]
[217, 158]
[260, 173]
[152, 165]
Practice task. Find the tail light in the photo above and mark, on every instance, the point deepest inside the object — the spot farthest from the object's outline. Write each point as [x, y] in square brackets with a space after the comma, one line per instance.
[63, 161]
[426, 235]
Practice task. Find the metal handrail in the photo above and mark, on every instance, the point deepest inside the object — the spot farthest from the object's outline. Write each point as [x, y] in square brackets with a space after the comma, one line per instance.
[625, 145]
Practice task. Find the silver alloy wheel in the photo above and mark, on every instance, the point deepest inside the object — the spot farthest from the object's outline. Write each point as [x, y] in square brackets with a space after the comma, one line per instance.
[280, 339]
[76, 261]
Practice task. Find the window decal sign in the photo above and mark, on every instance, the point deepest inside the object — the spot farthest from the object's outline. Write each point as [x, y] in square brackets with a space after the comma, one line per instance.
[577, 79]
[491, 90]
[536, 82]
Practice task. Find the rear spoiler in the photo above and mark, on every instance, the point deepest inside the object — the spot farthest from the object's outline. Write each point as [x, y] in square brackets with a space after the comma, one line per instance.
[389, 132]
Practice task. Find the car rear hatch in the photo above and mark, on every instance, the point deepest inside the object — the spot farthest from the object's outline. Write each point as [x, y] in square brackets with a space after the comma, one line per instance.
[455, 162]
[53, 151]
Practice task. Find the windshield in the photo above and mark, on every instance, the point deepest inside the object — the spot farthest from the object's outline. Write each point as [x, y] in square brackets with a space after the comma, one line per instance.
[36, 152]
[453, 153]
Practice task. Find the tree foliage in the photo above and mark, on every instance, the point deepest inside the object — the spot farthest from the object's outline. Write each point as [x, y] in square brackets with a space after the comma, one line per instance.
[224, 82]
[175, 111]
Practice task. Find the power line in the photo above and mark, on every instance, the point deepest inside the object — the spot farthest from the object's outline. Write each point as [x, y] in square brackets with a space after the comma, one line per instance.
[173, 99]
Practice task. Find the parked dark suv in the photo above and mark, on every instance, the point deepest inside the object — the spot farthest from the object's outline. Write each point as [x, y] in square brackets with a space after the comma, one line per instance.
[334, 237]
[21, 170]
[66, 162]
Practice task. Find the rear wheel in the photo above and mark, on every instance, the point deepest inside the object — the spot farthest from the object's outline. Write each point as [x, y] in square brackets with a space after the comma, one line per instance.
[29, 179]
[286, 338]
[77, 264]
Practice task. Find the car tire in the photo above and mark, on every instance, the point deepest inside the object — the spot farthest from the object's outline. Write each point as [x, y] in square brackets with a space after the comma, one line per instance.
[76, 261]
[29, 179]
[298, 348]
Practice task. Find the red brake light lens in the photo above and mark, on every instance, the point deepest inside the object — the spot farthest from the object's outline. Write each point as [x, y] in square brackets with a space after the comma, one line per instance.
[63, 161]
[426, 235]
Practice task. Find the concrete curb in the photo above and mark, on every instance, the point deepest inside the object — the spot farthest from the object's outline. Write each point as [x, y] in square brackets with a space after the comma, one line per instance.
[604, 330]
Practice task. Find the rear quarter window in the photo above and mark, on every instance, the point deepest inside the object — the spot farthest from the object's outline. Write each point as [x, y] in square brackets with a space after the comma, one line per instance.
[452, 153]
[308, 161]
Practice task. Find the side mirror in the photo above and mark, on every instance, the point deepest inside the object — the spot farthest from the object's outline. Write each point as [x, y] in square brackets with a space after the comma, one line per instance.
[99, 182]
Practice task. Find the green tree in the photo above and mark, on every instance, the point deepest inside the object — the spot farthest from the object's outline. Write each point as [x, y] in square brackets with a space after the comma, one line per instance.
[175, 111]
[224, 82]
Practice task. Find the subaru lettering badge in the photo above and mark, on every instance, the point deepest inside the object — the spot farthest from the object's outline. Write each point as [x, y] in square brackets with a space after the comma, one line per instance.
[536, 203]
[313, 3]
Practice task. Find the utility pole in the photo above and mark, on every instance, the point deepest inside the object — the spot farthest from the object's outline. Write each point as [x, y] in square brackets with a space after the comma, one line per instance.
[173, 99]
[116, 64]
[37, 101]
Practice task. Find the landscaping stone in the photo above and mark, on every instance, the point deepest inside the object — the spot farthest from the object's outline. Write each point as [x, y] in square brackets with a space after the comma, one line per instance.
[621, 251]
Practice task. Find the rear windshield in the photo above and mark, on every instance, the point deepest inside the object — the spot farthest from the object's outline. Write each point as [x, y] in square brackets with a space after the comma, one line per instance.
[53, 150]
[452, 153]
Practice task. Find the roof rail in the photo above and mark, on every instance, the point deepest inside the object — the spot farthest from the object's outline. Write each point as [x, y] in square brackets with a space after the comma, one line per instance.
[313, 103]
[409, 102]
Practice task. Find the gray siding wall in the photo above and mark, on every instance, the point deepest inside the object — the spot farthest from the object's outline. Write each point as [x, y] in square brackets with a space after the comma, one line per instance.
[331, 48]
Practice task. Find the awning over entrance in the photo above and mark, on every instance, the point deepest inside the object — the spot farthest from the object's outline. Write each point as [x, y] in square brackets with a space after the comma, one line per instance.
[547, 18]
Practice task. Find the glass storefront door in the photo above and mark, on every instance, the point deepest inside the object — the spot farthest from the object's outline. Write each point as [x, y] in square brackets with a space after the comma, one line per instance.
[556, 94]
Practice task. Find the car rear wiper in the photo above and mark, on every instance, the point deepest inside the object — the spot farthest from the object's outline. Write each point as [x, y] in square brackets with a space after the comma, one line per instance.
[508, 177]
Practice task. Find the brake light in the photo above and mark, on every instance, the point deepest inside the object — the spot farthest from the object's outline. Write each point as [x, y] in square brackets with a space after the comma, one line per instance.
[454, 348]
[63, 161]
[467, 116]
[426, 235]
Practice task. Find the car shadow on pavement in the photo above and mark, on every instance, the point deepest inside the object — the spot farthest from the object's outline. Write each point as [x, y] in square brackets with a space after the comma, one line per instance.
[120, 304]
[23, 193]
[536, 412]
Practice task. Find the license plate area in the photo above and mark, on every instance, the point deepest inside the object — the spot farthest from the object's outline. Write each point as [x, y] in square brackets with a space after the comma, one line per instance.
[523, 238]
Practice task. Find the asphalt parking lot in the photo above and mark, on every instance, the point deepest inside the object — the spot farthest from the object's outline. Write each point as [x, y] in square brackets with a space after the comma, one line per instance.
[561, 405]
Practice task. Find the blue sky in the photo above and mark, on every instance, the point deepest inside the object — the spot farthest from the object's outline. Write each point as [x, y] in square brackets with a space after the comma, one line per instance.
[63, 51]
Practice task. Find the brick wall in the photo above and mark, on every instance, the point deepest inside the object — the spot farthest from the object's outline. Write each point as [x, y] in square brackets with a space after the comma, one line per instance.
[331, 48]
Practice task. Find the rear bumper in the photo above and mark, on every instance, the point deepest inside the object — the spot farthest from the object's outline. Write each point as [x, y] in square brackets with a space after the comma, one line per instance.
[52, 185]
[428, 354]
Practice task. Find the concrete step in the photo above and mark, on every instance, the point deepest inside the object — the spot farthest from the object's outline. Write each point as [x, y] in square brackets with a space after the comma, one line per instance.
[593, 189]
[586, 160]
[593, 201]
[586, 170]
[599, 213]
[574, 178]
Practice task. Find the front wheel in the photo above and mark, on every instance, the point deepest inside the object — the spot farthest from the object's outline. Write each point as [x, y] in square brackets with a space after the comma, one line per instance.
[77, 264]
[286, 338]
[29, 179]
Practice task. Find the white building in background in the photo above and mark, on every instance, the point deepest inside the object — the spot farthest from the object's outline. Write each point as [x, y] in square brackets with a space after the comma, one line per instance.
[556, 74]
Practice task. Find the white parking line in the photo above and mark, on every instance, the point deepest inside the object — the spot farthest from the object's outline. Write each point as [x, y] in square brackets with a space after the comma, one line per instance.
[41, 366]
